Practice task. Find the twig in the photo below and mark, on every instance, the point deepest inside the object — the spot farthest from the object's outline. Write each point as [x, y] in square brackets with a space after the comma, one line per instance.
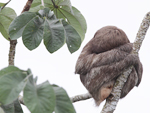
[27, 6]
[80, 97]
[73, 99]
[5, 5]
[111, 103]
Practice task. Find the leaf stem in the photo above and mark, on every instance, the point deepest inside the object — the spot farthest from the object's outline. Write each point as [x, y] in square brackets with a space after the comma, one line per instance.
[55, 6]
[42, 2]
[5, 5]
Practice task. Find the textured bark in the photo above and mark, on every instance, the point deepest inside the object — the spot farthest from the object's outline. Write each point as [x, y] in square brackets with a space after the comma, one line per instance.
[112, 101]
[12, 51]
[27, 6]
[14, 42]
[80, 97]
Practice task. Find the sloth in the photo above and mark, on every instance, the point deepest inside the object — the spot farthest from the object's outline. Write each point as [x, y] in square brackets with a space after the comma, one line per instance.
[103, 59]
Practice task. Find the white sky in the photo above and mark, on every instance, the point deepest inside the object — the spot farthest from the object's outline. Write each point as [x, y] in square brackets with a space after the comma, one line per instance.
[59, 67]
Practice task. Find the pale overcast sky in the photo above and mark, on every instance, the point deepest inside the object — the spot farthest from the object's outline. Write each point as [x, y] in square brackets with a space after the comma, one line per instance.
[59, 67]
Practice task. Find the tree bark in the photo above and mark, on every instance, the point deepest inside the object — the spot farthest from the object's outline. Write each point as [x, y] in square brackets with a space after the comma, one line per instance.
[13, 43]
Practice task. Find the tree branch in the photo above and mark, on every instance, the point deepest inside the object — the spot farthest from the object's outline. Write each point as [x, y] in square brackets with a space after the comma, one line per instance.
[14, 42]
[111, 102]
[27, 6]
[12, 51]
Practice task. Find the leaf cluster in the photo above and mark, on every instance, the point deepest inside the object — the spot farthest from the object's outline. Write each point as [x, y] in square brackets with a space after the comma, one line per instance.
[56, 23]
[42, 98]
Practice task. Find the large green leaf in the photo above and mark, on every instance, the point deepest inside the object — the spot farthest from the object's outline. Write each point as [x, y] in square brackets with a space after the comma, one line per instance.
[11, 84]
[53, 35]
[18, 24]
[6, 17]
[73, 39]
[39, 98]
[8, 69]
[33, 33]
[63, 103]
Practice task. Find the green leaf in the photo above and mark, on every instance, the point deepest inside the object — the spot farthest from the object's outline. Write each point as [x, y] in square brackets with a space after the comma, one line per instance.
[53, 35]
[63, 103]
[64, 3]
[18, 24]
[11, 84]
[73, 21]
[33, 33]
[6, 17]
[80, 18]
[73, 39]
[9, 69]
[39, 98]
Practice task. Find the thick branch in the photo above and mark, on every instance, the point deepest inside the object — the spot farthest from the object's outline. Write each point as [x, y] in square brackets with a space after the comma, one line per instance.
[14, 42]
[112, 101]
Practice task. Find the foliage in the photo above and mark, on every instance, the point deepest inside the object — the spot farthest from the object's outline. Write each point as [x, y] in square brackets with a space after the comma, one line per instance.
[56, 22]
[7, 15]
[42, 98]
[65, 25]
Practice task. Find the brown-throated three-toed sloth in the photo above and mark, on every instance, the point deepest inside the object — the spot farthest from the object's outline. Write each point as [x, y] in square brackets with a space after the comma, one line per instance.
[103, 59]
